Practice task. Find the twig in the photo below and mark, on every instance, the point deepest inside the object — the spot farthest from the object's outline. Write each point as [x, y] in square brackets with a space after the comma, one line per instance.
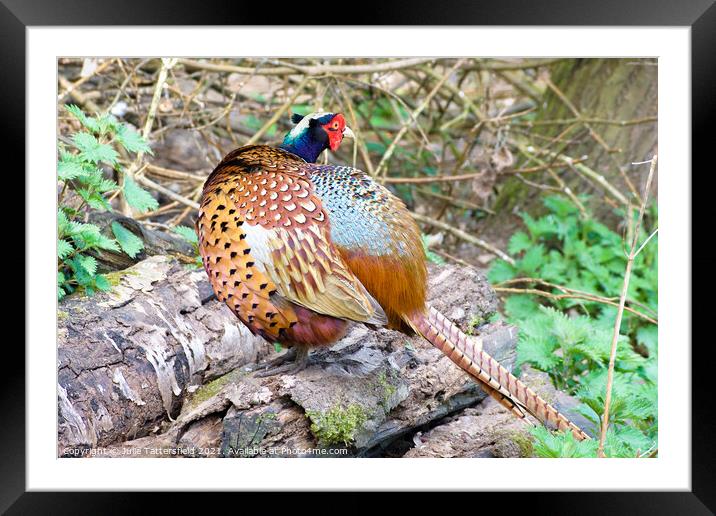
[463, 235]
[603, 121]
[597, 138]
[167, 64]
[585, 170]
[166, 191]
[73, 86]
[646, 242]
[465, 100]
[467, 177]
[453, 258]
[620, 310]
[497, 66]
[277, 115]
[460, 203]
[175, 174]
[570, 294]
[564, 289]
[398, 64]
[79, 97]
[562, 185]
[164, 209]
[414, 115]
[360, 140]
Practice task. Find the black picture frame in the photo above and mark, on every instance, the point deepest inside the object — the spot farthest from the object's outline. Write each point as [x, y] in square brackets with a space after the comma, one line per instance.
[700, 15]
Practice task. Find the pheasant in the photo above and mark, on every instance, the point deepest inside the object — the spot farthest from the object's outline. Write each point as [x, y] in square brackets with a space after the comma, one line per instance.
[299, 250]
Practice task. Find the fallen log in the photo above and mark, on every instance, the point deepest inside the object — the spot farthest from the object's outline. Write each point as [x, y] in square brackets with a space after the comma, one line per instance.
[127, 358]
[158, 368]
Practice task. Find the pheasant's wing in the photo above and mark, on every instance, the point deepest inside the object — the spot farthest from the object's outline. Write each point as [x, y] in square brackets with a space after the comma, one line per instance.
[309, 271]
[272, 229]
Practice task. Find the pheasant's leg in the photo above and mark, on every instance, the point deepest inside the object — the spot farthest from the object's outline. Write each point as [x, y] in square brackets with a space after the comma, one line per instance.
[301, 360]
[288, 356]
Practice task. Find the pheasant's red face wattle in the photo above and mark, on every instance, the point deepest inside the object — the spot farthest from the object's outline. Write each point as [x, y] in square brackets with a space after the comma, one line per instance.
[334, 130]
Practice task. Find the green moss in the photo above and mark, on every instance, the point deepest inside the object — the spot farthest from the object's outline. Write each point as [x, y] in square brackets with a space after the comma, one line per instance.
[266, 416]
[62, 315]
[115, 278]
[524, 442]
[212, 388]
[338, 425]
[474, 323]
[387, 388]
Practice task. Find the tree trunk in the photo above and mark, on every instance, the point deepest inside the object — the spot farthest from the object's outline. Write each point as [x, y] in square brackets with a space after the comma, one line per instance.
[618, 90]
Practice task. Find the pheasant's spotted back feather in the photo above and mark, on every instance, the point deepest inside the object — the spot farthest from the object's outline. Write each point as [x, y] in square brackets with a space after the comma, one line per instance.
[233, 272]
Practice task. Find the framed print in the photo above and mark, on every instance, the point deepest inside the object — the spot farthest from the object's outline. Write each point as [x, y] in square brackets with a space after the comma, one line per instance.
[410, 249]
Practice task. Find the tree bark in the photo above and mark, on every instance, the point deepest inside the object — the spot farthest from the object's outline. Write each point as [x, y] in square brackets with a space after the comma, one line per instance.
[128, 357]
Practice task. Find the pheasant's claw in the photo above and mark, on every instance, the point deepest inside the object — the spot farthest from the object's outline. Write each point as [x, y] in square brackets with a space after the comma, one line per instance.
[291, 362]
[289, 355]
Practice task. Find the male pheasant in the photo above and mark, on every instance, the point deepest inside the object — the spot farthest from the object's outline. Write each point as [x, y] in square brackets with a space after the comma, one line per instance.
[298, 250]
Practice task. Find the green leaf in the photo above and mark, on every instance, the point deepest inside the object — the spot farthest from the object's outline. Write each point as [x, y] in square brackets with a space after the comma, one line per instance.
[561, 444]
[137, 197]
[187, 233]
[500, 271]
[532, 260]
[519, 242]
[106, 123]
[60, 285]
[94, 199]
[89, 264]
[107, 243]
[80, 274]
[102, 283]
[67, 170]
[63, 224]
[132, 140]
[520, 306]
[86, 121]
[64, 248]
[648, 336]
[130, 243]
[560, 206]
[105, 185]
[539, 352]
[92, 150]
[539, 228]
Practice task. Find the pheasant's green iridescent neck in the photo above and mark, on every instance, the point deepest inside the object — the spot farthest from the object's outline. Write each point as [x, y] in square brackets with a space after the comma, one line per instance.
[308, 139]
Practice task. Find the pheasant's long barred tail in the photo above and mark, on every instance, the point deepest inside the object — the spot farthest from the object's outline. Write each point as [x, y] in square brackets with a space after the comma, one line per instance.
[497, 381]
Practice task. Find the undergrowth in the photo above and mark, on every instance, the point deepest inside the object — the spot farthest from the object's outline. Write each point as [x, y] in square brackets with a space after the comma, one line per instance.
[87, 167]
[570, 337]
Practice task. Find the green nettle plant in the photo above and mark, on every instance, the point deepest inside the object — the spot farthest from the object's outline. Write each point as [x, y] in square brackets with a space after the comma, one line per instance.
[84, 171]
[571, 267]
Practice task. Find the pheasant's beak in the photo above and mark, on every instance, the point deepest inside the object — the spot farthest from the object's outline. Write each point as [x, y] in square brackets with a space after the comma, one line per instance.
[347, 133]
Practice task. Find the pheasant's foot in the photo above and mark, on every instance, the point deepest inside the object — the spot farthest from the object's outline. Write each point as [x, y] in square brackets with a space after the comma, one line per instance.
[288, 356]
[298, 357]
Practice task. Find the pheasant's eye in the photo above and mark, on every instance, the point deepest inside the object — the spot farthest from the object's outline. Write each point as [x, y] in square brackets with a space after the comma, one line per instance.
[335, 126]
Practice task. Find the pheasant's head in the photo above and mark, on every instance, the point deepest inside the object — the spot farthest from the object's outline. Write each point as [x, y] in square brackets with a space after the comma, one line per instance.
[314, 133]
